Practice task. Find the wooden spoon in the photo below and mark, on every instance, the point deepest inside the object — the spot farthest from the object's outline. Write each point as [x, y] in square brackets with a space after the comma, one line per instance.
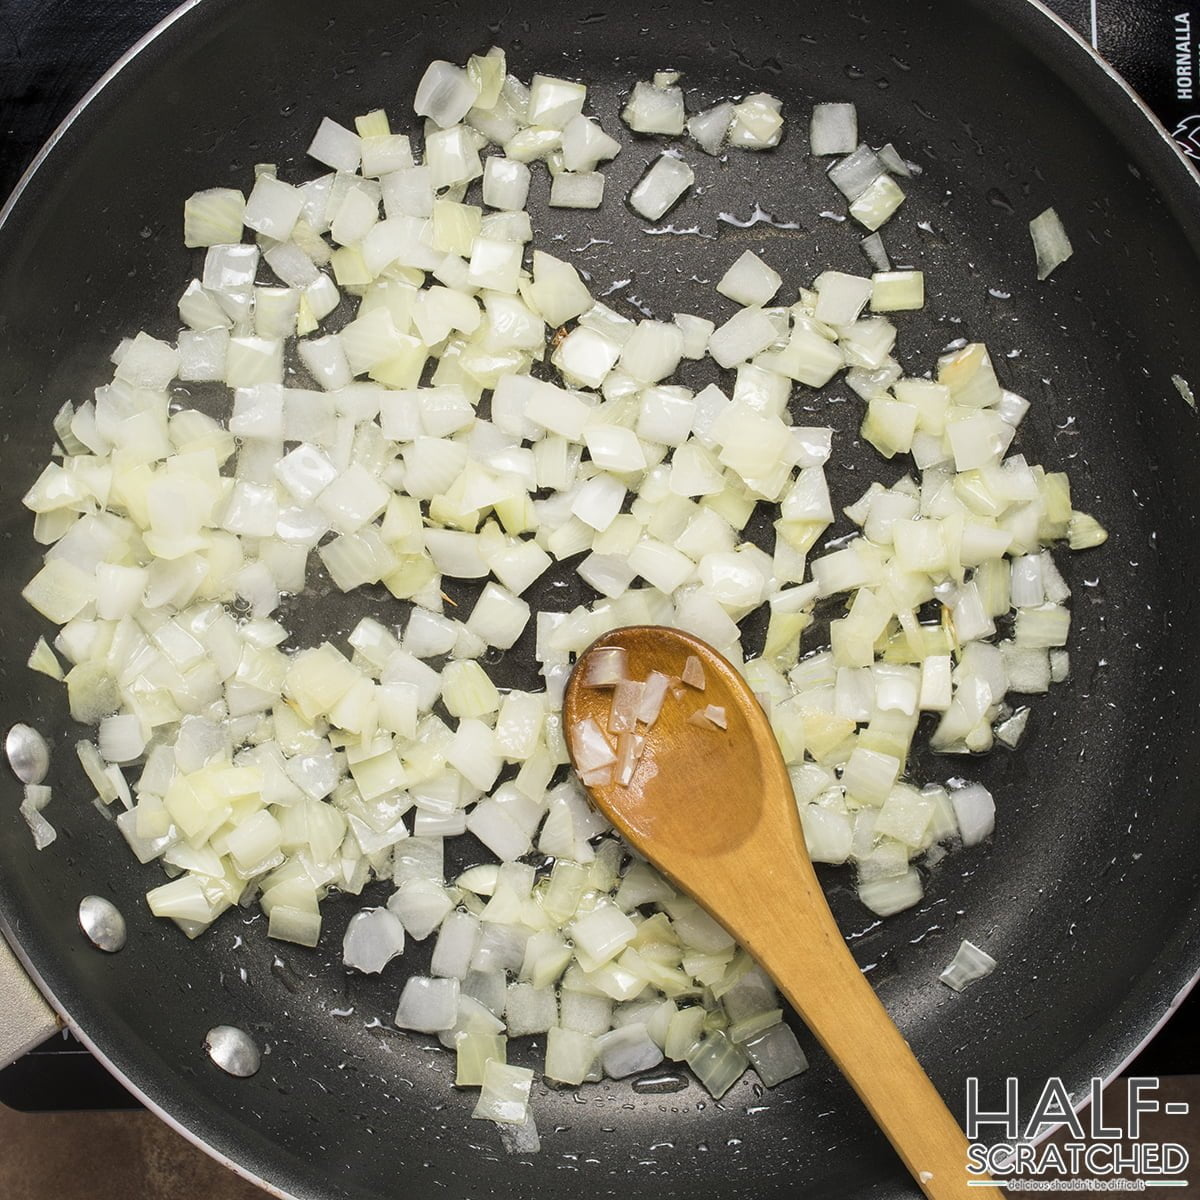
[714, 811]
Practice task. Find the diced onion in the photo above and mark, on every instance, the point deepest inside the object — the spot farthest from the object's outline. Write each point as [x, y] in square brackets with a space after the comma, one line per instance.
[891, 894]
[373, 938]
[853, 174]
[661, 187]
[416, 400]
[504, 1094]
[445, 94]
[718, 1063]
[749, 281]
[775, 1054]
[834, 129]
[428, 1005]
[592, 749]
[37, 796]
[577, 189]
[970, 963]
[710, 128]
[877, 202]
[653, 109]
[975, 812]
[1050, 242]
[628, 1050]
[606, 667]
[757, 122]
[877, 255]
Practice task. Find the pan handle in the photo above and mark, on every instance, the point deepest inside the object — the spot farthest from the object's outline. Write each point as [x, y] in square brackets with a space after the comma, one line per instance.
[28, 1019]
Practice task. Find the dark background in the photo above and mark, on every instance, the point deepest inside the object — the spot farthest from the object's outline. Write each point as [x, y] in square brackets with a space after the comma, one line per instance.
[52, 51]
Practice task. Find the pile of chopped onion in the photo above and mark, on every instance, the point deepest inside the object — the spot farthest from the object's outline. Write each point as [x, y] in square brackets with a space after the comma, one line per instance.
[255, 773]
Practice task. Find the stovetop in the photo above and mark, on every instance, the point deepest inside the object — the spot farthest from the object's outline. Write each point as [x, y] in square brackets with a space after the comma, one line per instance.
[51, 53]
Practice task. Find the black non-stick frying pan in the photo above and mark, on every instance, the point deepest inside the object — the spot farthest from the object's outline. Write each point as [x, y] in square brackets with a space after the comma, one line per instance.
[1089, 893]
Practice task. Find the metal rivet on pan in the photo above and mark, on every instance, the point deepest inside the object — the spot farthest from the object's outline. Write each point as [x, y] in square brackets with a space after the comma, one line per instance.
[233, 1050]
[28, 754]
[103, 924]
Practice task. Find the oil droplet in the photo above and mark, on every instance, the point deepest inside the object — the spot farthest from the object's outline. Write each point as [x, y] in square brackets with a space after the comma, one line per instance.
[760, 216]
[284, 973]
[997, 199]
[659, 1083]
[675, 231]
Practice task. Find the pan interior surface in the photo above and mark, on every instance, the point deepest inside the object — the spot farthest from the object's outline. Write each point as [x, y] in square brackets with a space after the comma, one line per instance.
[1087, 894]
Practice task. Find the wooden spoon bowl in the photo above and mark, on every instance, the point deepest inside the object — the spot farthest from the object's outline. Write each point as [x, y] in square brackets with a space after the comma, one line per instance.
[713, 809]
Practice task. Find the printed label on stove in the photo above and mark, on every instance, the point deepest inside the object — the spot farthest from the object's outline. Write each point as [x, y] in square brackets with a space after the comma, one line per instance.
[1184, 58]
[1155, 44]
[1187, 131]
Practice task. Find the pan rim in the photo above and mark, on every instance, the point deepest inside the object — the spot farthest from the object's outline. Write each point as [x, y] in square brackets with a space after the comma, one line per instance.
[1011, 7]
[1019, 17]
[60, 131]
[97, 1052]
[77, 1031]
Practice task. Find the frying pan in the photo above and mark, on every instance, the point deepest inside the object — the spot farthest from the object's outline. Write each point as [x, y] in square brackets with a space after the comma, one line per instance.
[1089, 893]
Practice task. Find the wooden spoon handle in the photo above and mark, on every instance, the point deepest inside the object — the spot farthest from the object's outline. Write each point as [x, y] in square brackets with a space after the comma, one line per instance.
[801, 947]
[846, 1017]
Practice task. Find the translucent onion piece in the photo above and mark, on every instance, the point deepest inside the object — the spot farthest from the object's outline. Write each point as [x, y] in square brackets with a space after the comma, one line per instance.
[37, 796]
[970, 963]
[504, 1094]
[661, 187]
[626, 701]
[1050, 242]
[445, 94]
[834, 129]
[590, 747]
[373, 938]
[717, 1063]
[653, 109]
[654, 692]
[628, 1050]
[709, 129]
[606, 667]
[975, 811]
[775, 1054]
[693, 673]
[428, 1005]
